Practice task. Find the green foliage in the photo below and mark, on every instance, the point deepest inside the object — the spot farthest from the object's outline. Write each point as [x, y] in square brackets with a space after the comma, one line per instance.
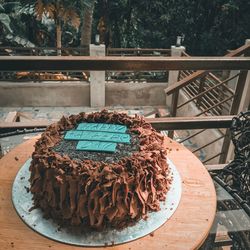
[5, 21]
[12, 28]
[210, 27]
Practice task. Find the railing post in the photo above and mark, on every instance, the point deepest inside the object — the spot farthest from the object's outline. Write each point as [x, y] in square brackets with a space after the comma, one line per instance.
[97, 79]
[240, 103]
[173, 77]
[245, 98]
[173, 74]
[235, 109]
[1, 152]
[173, 110]
[201, 89]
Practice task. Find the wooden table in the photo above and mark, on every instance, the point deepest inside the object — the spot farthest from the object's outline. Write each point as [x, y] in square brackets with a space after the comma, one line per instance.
[186, 229]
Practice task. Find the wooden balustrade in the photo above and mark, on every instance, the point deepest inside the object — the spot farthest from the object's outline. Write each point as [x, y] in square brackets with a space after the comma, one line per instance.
[169, 123]
[29, 51]
[182, 83]
[208, 90]
[137, 52]
[79, 63]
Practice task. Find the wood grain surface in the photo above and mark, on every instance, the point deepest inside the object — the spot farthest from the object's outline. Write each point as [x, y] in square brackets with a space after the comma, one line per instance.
[186, 229]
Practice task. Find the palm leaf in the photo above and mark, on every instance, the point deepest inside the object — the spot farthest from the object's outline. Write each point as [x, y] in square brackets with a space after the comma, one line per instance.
[1, 8]
[19, 40]
[70, 15]
[5, 20]
[39, 9]
[50, 10]
[73, 18]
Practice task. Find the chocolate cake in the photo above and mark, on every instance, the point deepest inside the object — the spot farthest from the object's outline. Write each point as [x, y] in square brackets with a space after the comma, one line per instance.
[96, 190]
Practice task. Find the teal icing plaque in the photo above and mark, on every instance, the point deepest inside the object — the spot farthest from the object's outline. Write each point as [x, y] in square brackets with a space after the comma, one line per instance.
[104, 127]
[97, 136]
[96, 146]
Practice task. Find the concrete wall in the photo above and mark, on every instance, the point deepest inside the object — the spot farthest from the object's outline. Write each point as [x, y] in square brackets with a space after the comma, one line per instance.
[44, 94]
[135, 94]
[64, 94]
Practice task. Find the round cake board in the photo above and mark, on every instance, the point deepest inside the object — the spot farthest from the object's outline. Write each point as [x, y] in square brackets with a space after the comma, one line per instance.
[22, 200]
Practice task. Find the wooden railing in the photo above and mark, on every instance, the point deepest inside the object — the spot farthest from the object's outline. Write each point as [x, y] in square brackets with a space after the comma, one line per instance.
[137, 76]
[111, 76]
[169, 123]
[137, 52]
[39, 76]
[79, 63]
[196, 75]
[160, 124]
[42, 51]
[77, 51]
[211, 95]
[31, 63]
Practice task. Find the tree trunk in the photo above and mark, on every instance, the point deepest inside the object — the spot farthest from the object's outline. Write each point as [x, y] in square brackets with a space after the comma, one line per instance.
[58, 37]
[86, 29]
[128, 26]
[117, 35]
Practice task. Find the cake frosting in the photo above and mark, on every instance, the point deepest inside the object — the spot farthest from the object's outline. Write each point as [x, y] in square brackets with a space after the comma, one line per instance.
[98, 194]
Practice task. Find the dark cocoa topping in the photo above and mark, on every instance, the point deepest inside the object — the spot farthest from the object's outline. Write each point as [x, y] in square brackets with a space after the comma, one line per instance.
[122, 150]
[98, 194]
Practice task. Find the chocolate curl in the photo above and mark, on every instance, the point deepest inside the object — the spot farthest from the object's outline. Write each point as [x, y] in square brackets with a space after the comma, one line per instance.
[134, 207]
[82, 206]
[63, 189]
[126, 198]
[94, 208]
[111, 213]
[122, 209]
[36, 187]
[76, 220]
[73, 185]
[104, 202]
[143, 189]
[116, 187]
[35, 174]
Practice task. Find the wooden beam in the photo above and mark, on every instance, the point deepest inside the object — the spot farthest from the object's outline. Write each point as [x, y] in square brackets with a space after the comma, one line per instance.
[79, 63]
[170, 123]
[31, 124]
[215, 167]
[162, 112]
[11, 117]
[137, 49]
[180, 123]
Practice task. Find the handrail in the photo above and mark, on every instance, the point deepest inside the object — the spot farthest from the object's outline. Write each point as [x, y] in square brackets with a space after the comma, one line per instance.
[138, 49]
[42, 48]
[207, 90]
[169, 123]
[79, 63]
[182, 83]
[29, 51]
[180, 123]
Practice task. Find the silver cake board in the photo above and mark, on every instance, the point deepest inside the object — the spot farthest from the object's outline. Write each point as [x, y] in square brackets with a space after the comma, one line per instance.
[22, 201]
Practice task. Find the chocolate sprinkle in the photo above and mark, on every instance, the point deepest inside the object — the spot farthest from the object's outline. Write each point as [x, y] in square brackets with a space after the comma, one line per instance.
[65, 147]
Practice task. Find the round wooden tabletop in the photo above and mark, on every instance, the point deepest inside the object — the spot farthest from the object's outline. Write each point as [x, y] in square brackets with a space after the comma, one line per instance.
[186, 229]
